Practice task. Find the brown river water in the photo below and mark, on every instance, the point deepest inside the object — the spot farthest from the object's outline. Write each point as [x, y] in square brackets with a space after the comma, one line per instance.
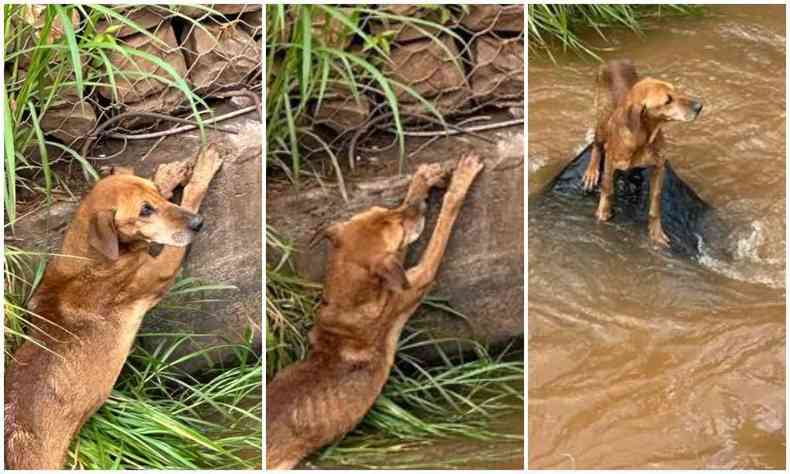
[638, 358]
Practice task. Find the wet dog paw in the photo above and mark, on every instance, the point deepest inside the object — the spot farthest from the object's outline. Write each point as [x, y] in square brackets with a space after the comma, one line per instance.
[603, 215]
[657, 235]
[590, 179]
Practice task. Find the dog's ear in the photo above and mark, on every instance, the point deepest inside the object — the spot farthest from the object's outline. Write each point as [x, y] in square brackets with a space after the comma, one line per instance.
[392, 274]
[102, 235]
[634, 118]
[330, 232]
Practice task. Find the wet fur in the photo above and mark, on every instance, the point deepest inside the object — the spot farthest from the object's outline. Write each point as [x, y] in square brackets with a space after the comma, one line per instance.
[92, 307]
[368, 297]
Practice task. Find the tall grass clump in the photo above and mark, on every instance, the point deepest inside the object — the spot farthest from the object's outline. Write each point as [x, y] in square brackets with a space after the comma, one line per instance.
[309, 54]
[158, 417]
[561, 25]
[458, 397]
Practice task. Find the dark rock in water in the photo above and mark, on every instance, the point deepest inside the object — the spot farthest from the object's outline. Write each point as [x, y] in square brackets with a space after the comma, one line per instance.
[683, 212]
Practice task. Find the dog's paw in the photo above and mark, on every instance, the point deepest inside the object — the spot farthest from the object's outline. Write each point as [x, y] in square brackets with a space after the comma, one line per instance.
[657, 234]
[469, 166]
[590, 179]
[433, 174]
[603, 215]
[168, 176]
[464, 175]
[206, 166]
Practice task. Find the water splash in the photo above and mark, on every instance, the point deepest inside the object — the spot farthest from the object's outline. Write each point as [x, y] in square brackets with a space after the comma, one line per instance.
[746, 263]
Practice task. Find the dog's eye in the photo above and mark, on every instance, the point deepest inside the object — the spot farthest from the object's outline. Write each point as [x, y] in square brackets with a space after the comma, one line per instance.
[669, 100]
[146, 210]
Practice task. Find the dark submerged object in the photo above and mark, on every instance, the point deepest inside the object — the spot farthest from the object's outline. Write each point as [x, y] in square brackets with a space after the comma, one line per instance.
[683, 212]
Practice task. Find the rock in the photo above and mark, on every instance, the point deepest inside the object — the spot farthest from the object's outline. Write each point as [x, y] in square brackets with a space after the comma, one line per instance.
[505, 18]
[342, 111]
[426, 67]
[329, 31]
[70, 121]
[227, 251]
[221, 55]
[148, 18]
[402, 32]
[27, 26]
[164, 102]
[498, 74]
[230, 11]
[34, 15]
[252, 22]
[684, 215]
[134, 88]
[482, 274]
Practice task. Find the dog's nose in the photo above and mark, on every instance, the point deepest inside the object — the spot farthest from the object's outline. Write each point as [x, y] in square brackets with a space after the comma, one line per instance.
[195, 223]
[697, 107]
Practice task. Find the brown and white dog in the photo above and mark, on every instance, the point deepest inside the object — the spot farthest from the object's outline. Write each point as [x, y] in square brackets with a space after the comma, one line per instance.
[629, 135]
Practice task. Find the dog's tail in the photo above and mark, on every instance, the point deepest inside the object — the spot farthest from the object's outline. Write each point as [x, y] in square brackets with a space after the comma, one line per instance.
[614, 80]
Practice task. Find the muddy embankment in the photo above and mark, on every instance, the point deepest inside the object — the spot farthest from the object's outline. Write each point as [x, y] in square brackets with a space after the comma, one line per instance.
[474, 81]
[214, 53]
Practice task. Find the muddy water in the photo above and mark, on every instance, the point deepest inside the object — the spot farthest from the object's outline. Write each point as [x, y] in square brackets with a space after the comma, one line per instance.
[638, 358]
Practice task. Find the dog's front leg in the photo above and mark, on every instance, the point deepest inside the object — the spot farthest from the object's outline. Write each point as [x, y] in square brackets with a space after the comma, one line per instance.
[163, 267]
[591, 174]
[423, 274]
[604, 212]
[656, 184]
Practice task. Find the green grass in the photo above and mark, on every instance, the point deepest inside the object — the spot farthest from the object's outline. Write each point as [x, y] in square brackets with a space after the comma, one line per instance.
[452, 399]
[563, 26]
[305, 63]
[159, 418]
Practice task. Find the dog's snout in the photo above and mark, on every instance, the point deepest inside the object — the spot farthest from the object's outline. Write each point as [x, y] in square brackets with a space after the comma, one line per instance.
[195, 223]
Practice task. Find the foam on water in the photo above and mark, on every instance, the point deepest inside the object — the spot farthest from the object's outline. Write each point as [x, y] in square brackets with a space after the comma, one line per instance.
[747, 264]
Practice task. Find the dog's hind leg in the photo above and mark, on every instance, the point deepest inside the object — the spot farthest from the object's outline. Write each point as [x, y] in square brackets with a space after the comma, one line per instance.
[423, 274]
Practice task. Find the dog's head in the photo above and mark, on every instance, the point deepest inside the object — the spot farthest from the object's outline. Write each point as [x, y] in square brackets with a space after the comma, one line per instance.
[372, 244]
[124, 208]
[659, 101]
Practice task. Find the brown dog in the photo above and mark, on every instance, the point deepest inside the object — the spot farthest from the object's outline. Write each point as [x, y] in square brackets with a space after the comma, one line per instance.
[629, 135]
[93, 297]
[367, 299]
